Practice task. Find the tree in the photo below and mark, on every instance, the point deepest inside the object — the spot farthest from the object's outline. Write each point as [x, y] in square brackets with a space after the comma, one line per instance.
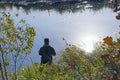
[16, 42]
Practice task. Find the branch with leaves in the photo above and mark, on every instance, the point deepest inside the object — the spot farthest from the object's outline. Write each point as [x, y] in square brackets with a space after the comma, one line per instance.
[16, 42]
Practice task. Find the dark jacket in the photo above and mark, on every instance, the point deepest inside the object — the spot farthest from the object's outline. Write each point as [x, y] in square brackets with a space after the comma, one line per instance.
[46, 52]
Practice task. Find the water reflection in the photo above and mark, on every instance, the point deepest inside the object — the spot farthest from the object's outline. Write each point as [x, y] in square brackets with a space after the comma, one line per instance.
[79, 23]
[61, 7]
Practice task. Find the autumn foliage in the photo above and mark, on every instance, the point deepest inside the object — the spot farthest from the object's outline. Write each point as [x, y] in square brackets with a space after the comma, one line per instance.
[75, 64]
[16, 41]
[102, 64]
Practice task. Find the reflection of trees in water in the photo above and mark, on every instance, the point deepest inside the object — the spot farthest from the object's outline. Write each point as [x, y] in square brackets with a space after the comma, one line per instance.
[5, 6]
[61, 7]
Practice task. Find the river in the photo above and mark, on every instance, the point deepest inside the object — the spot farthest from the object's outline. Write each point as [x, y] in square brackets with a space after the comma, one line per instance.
[82, 25]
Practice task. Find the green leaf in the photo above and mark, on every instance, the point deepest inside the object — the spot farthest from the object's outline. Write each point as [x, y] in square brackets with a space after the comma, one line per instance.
[117, 45]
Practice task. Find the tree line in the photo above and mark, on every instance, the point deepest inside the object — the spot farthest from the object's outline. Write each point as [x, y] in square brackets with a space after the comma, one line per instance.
[50, 0]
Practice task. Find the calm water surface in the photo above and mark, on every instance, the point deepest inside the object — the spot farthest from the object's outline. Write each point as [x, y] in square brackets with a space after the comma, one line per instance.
[79, 28]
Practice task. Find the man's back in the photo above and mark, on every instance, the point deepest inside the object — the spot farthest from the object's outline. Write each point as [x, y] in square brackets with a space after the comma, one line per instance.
[46, 52]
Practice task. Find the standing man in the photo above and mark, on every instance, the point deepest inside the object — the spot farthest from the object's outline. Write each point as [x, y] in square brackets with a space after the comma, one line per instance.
[46, 52]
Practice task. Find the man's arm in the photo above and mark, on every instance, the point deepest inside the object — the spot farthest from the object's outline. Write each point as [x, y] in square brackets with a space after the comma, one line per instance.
[53, 51]
[40, 51]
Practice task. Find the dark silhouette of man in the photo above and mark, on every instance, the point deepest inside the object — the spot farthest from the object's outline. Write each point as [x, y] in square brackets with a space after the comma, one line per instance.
[46, 52]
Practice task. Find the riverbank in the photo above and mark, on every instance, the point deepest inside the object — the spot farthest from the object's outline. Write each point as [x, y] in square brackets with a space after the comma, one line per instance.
[60, 6]
[36, 2]
[51, 2]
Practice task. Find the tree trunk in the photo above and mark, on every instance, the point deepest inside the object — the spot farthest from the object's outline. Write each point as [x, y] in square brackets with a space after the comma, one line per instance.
[1, 71]
[6, 76]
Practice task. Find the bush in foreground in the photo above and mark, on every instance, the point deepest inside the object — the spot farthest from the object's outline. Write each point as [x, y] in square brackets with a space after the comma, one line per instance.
[103, 64]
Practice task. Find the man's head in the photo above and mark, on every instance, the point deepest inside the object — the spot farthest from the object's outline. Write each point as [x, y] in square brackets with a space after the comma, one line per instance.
[46, 41]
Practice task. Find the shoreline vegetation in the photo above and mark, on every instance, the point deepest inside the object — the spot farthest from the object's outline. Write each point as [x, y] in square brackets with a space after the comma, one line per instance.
[50, 2]
[74, 64]
[60, 6]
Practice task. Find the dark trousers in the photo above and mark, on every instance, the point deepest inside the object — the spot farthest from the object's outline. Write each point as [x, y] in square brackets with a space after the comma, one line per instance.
[46, 59]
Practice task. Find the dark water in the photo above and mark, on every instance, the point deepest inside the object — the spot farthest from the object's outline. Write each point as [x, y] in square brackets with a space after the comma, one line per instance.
[81, 24]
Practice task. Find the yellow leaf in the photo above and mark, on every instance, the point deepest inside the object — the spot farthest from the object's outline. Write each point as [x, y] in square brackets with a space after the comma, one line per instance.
[20, 45]
[28, 28]
[3, 31]
[117, 45]
[26, 50]
[31, 39]
[9, 21]
[4, 26]
[3, 40]
[11, 49]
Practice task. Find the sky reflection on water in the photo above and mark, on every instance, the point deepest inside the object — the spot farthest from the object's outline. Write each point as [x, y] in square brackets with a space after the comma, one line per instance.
[82, 29]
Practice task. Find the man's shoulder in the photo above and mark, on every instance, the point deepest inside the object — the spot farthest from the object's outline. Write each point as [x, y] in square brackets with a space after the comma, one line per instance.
[44, 47]
[48, 46]
[51, 47]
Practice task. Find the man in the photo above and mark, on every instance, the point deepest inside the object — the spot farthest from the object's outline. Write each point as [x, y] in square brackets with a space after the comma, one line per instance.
[46, 52]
